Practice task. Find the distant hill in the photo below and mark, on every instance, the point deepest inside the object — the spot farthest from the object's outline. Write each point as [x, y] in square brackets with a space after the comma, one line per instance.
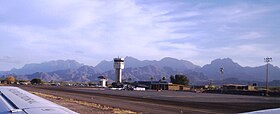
[136, 70]
[231, 69]
[89, 73]
[234, 70]
[259, 73]
[45, 67]
[82, 74]
[130, 62]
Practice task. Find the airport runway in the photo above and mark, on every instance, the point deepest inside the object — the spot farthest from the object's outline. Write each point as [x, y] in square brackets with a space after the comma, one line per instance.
[170, 102]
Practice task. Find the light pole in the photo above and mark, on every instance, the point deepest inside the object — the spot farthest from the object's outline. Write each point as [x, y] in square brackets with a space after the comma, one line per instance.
[267, 60]
[222, 74]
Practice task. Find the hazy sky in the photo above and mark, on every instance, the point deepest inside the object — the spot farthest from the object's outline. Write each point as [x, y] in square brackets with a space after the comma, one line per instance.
[89, 31]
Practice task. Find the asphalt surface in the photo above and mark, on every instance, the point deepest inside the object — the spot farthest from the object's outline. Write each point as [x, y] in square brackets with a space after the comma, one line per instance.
[170, 102]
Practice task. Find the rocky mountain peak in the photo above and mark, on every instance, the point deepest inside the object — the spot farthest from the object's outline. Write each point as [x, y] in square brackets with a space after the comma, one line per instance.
[46, 67]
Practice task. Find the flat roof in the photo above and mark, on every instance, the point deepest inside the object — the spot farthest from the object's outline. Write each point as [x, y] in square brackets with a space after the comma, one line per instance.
[118, 59]
[234, 85]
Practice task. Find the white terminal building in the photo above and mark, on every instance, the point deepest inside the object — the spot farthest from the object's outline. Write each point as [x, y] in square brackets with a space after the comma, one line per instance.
[118, 65]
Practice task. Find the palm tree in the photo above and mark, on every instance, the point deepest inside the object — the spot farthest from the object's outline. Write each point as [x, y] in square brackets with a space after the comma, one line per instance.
[163, 78]
[152, 78]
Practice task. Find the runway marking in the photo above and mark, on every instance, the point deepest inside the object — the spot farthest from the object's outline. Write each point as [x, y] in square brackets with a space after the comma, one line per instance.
[176, 96]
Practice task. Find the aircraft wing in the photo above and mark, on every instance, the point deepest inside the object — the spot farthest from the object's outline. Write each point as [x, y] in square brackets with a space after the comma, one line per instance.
[14, 100]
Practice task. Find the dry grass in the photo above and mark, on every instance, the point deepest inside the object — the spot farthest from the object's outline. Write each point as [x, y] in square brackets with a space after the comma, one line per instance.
[87, 104]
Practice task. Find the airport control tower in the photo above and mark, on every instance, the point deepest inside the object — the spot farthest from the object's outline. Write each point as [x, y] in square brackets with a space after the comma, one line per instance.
[118, 65]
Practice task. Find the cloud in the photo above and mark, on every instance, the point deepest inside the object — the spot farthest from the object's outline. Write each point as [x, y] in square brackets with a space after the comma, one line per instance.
[246, 55]
[179, 49]
[122, 28]
[252, 35]
[90, 31]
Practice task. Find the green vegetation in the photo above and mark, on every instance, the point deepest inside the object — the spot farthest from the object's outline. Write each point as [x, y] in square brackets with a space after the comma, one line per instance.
[36, 81]
[2, 79]
[162, 79]
[179, 79]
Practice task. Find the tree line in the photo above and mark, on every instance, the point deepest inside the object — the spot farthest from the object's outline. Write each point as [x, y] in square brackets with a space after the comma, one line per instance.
[177, 79]
[13, 80]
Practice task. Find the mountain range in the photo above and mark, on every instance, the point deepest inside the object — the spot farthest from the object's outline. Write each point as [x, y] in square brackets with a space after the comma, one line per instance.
[45, 67]
[234, 70]
[70, 70]
[130, 62]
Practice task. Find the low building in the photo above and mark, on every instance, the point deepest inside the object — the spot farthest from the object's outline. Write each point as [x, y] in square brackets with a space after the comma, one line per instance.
[102, 81]
[238, 87]
[160, 85]
[177, 87]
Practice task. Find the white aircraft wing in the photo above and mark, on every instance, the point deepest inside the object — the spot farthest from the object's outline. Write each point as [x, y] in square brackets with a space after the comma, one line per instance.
[14, 100]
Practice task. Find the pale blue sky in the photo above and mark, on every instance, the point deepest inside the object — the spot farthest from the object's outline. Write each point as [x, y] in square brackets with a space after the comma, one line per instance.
[33, 31]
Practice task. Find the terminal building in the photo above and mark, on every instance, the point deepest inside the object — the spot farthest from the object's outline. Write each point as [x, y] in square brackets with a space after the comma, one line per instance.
[238, 87]
[160, 85]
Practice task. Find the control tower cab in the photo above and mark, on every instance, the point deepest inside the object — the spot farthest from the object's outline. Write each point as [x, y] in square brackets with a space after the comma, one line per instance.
[118, 65]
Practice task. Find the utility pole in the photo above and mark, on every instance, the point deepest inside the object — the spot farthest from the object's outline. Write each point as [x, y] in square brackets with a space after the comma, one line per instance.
[222, 76]
[267, 60]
